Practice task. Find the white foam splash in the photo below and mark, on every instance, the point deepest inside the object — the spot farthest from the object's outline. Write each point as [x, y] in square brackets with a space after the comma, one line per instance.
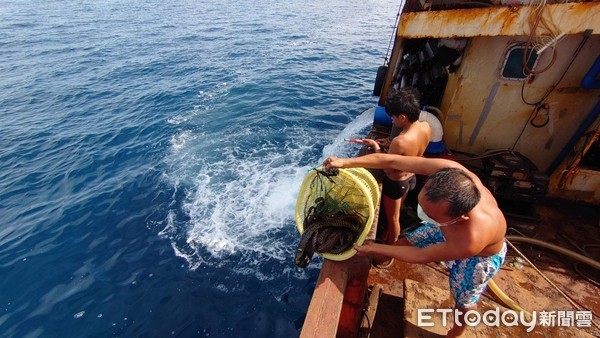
[355, 129]
[241, 203]
[229, 215]
[179, 141]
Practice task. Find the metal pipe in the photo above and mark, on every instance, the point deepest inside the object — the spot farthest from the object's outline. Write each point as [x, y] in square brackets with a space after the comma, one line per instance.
[556, 248]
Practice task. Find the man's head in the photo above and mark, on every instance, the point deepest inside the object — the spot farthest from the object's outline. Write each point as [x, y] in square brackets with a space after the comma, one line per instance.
[403, 101]
[448, 195]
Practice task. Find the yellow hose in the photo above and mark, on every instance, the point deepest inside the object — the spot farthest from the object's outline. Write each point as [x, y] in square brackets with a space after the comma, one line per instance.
[507, 301]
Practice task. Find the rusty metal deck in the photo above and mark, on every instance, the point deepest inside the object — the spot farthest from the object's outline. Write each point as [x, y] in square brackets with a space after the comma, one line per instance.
[558, 222]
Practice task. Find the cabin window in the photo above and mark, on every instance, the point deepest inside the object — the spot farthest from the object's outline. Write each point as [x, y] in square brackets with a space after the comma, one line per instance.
[513, 63]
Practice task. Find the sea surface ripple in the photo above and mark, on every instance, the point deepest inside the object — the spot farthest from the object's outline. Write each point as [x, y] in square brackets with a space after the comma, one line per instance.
[151, 153]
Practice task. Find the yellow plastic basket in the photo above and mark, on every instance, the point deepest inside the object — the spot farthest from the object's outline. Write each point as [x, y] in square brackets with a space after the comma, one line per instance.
[356, 186]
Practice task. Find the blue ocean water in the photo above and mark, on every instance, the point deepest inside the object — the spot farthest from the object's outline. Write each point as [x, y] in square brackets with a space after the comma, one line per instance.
[151, 153]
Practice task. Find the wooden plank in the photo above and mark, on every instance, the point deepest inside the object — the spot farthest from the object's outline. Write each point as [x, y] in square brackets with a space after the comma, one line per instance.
[326, 304]
[569, 18]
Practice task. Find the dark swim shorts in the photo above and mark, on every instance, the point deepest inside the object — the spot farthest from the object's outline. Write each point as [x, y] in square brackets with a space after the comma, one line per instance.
[398, 189]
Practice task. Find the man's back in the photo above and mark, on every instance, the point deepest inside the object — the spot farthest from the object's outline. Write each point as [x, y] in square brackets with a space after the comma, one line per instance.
[487, 218]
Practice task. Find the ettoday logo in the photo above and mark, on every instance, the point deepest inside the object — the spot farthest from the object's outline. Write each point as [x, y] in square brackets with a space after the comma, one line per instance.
[496, 317]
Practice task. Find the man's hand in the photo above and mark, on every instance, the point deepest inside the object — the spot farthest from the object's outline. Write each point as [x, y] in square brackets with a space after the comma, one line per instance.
[367, 249]
[333, 162]
[371, 143]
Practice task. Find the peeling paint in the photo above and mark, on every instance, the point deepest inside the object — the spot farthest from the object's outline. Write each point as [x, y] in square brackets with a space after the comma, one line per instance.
[497, 21]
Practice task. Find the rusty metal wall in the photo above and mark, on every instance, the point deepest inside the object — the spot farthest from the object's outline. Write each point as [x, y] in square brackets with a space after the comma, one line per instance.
[483, 111]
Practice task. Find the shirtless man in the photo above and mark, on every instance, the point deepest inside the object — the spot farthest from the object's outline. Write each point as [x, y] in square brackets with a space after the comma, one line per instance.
[403, 107]
[462, 225]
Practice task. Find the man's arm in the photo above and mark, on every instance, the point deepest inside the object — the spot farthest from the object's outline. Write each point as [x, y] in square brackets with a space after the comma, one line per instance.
[412, 164]
[411, 254]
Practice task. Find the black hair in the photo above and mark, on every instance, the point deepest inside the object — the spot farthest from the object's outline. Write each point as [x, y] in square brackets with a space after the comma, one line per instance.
[454, 186]
[403, 101]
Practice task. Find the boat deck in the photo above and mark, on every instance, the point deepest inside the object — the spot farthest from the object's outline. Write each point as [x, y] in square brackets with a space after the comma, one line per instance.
[408, 287]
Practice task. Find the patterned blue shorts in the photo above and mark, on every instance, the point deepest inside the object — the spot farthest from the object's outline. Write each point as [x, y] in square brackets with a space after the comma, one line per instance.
[468, 277]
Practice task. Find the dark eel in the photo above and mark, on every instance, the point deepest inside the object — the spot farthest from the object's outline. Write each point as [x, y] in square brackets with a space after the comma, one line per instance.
[332, 234]
[326, 234]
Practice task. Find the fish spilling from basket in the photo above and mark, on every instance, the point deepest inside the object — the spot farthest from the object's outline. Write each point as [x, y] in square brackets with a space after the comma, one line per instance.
[334, 211]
